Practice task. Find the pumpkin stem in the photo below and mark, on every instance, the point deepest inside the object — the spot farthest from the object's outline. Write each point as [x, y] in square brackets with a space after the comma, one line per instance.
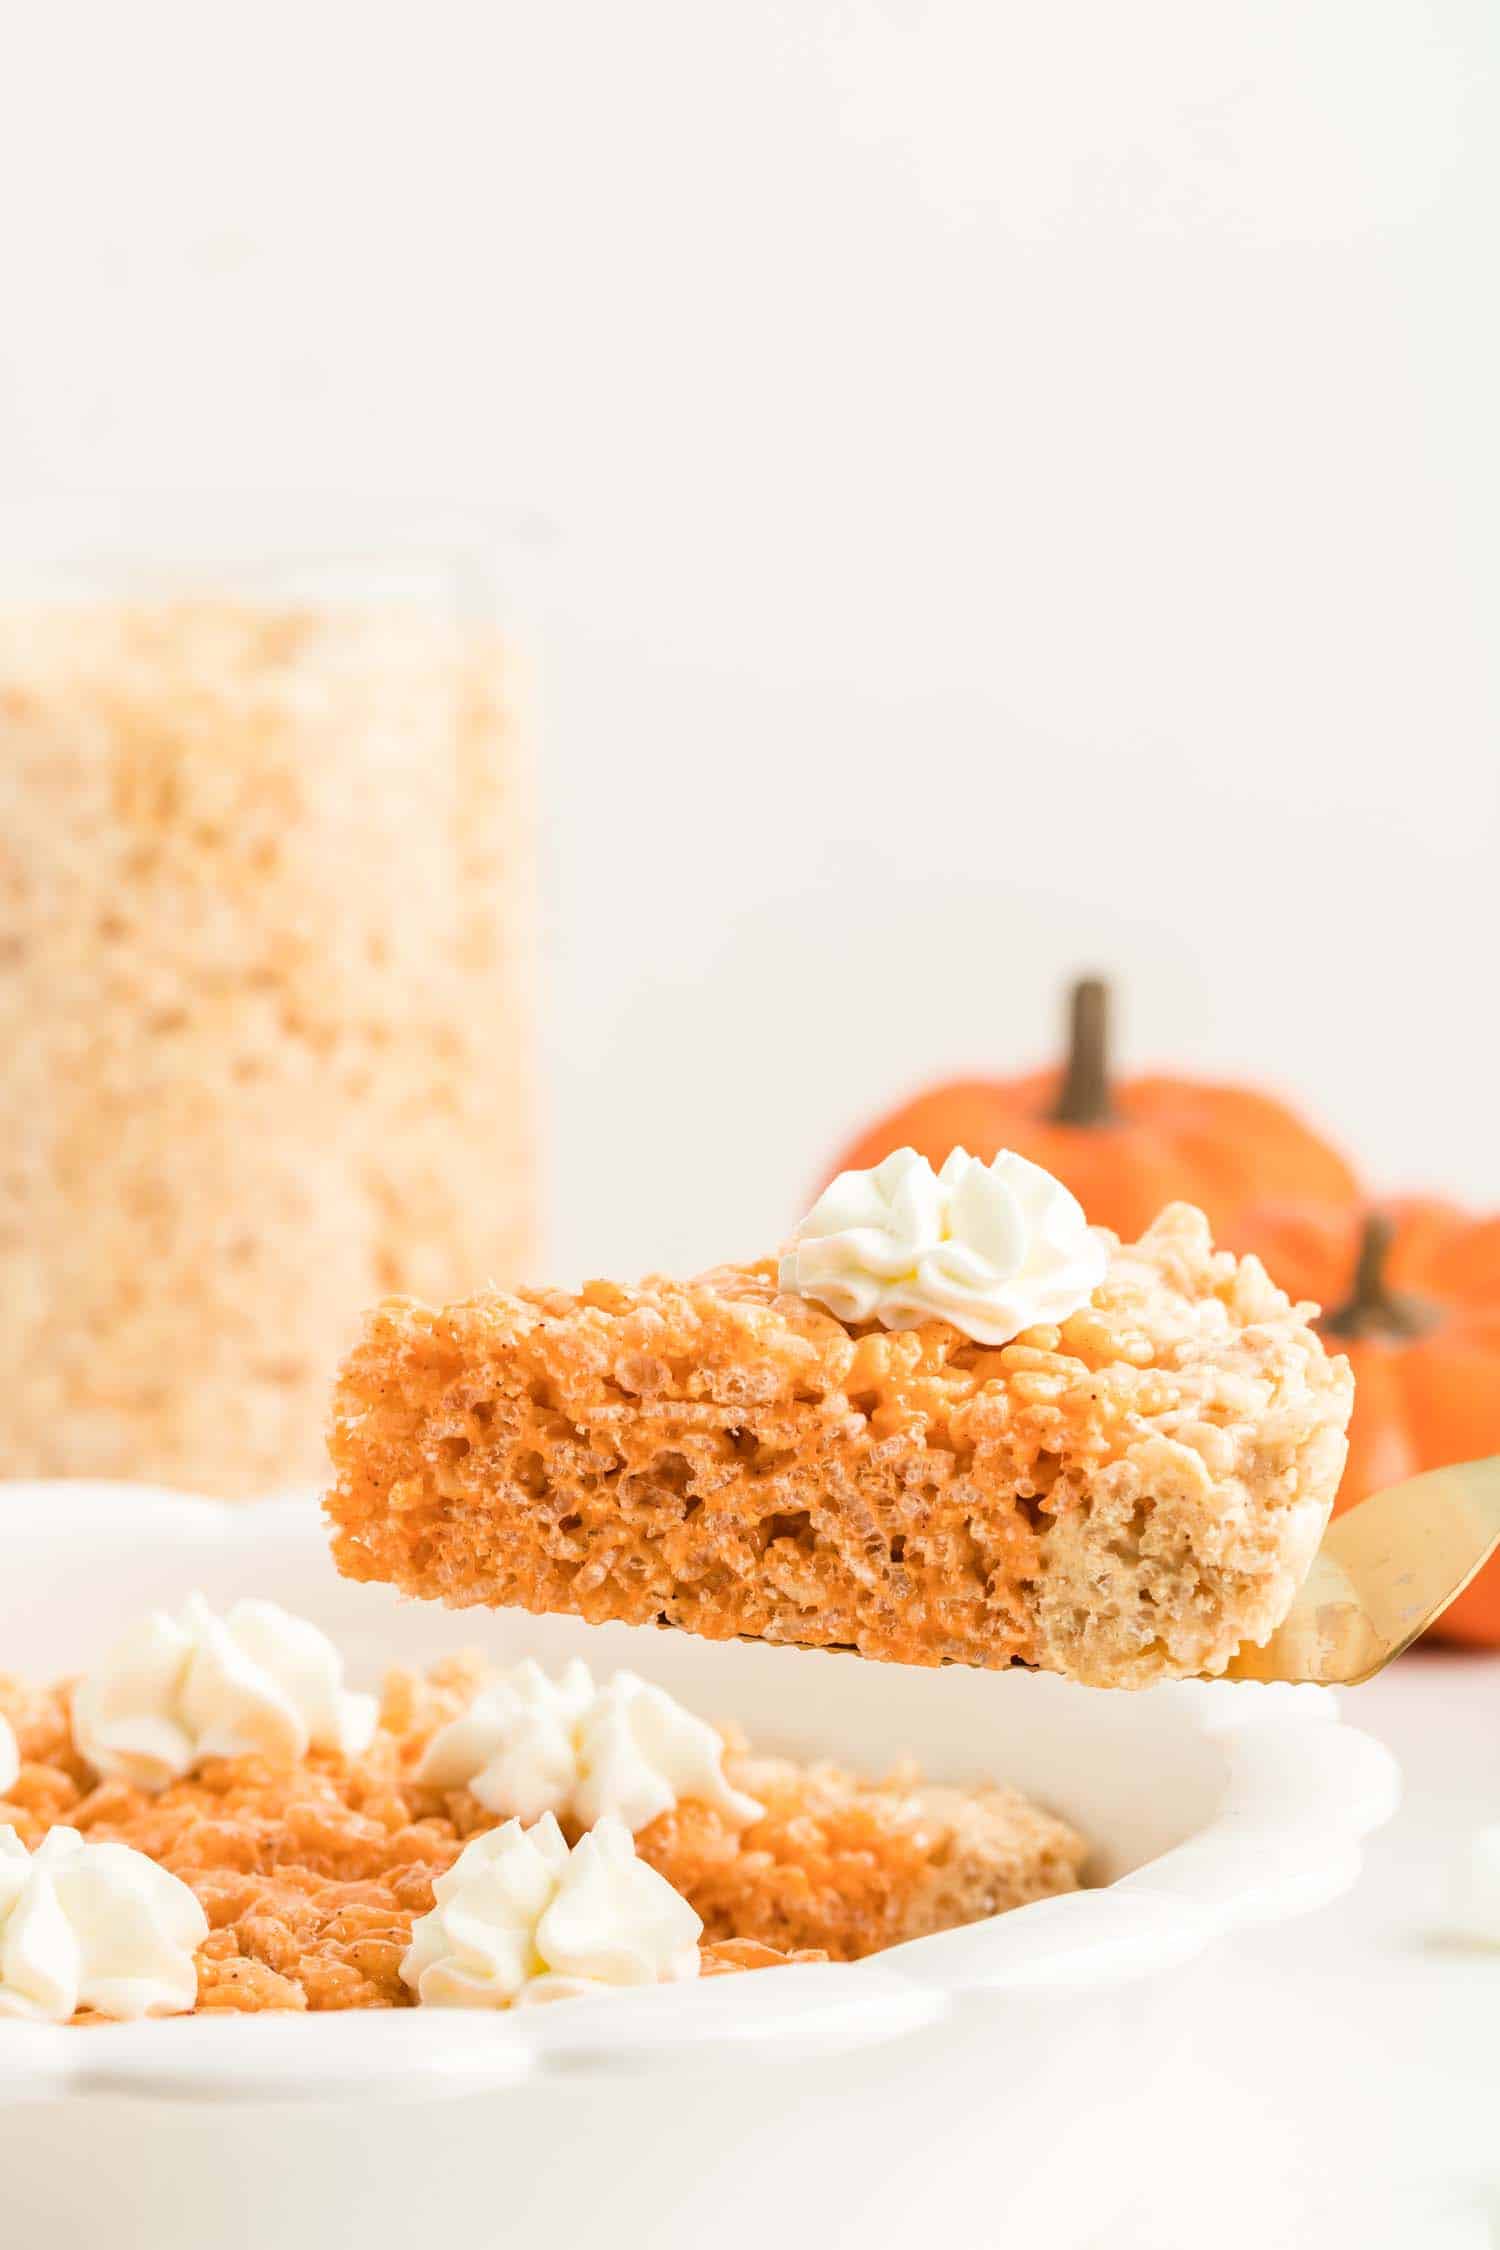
[1373, 1307]
[1083, 1097]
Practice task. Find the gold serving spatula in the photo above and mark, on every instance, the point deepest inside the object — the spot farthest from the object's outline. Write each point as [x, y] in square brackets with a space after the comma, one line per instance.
[1384, 1572]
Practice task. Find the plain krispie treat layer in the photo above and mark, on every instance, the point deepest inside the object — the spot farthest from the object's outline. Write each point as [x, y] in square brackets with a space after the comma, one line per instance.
[1125, 1498]
[312, 1879]
[264, 996]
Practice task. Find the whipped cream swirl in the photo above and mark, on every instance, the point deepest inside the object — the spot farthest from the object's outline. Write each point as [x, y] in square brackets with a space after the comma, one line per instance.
[97, 1926]
[993, 1248]
[10, 1755]
[520, 1919]
[257, 1682]
[627, 1751]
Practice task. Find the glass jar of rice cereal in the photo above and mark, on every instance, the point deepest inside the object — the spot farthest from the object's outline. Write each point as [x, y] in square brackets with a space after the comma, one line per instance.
[265, 992]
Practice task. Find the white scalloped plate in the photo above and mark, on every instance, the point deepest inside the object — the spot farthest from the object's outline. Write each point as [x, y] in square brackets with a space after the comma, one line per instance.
[1215, 1807]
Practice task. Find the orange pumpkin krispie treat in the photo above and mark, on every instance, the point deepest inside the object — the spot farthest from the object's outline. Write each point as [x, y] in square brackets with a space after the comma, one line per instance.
[956, 1424]
[323, 1839]
[312, 1877]
[848, 1867]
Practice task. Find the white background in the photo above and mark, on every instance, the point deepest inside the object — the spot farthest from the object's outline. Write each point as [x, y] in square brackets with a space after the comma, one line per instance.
[1340, 2087]
[1014, 488]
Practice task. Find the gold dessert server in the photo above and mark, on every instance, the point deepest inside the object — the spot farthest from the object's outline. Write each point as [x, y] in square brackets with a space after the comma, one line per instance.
[1383, 1573]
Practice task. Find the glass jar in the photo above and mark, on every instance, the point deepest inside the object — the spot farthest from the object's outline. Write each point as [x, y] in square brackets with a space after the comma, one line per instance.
[265, 981]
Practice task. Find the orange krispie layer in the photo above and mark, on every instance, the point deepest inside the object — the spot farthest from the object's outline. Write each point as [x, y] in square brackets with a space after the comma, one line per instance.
[312, 1878]
[1124, 1497]
[850, 1867]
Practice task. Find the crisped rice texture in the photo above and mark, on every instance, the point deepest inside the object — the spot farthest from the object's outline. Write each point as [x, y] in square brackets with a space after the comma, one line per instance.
[1123, 1498]
[311, 1879]
[851, 1867]
[264, 985]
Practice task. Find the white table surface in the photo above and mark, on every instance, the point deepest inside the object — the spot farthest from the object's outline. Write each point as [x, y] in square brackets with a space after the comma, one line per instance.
[1342, 2091]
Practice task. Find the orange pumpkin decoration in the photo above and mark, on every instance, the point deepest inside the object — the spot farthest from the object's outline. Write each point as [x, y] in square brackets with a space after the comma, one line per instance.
[1414, 1298]
[1124, 1149]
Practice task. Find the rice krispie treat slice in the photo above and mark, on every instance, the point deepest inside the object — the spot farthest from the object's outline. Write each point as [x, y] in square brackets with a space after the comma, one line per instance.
[1123, 1494]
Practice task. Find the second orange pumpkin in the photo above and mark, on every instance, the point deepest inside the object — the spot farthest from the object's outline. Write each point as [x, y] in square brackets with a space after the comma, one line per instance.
[1412, 1294]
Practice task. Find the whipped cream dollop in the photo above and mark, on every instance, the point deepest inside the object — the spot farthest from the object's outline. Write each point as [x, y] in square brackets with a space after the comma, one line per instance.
[99, 1926]
[520, 1919]
[993, 1248]
[627, 1751]
[176, 1690]
[10, 1755]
